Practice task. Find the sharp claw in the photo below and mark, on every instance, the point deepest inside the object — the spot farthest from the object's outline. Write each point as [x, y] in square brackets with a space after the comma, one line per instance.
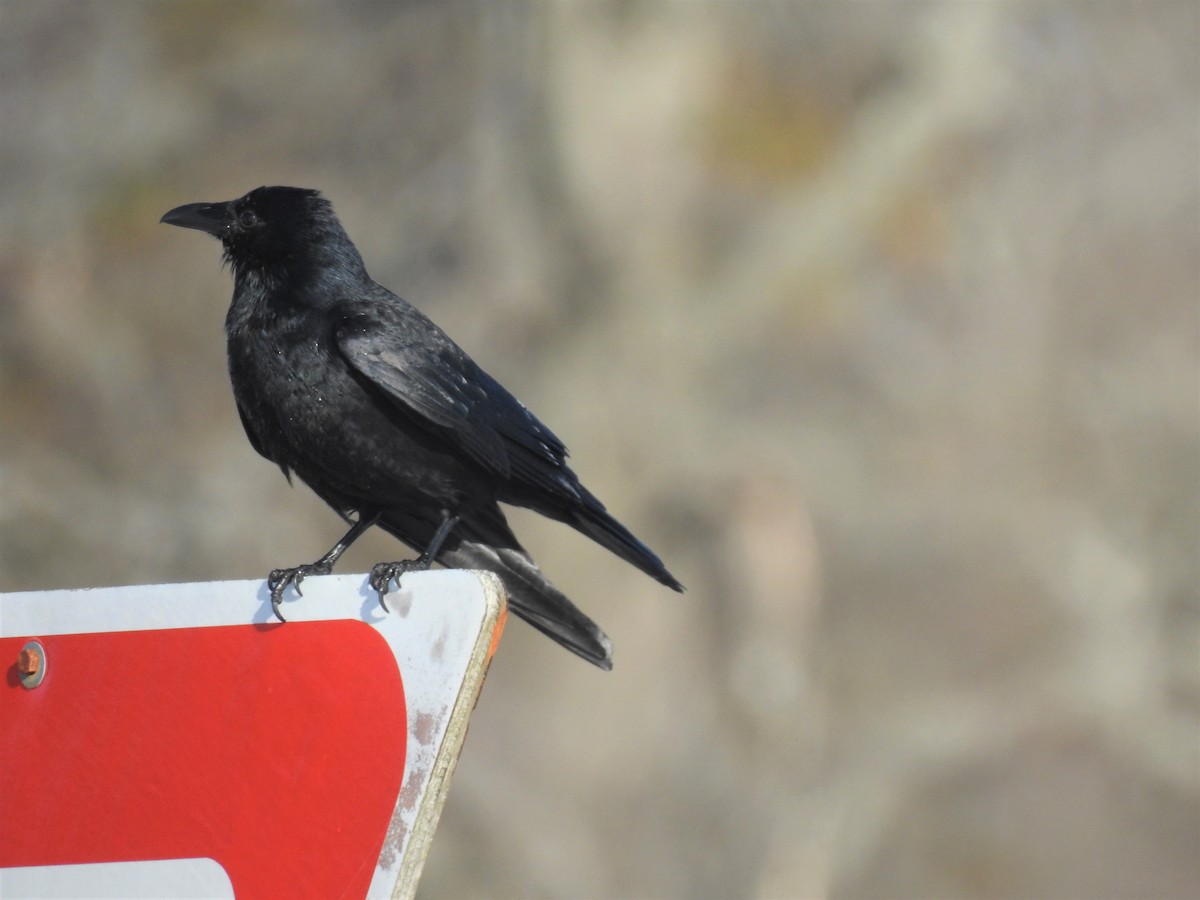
[276, 595]
[380, 585]
[277, 583]
[383, 574]
[381, 581]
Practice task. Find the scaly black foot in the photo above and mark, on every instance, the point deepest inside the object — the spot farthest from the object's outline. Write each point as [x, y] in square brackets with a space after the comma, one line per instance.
[279, 579]
[383, 574]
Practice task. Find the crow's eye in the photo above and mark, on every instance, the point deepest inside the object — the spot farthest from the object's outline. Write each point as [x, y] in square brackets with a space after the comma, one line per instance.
[247, 218]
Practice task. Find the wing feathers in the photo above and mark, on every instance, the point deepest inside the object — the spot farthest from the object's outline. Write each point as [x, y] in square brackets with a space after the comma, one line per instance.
[434, 379]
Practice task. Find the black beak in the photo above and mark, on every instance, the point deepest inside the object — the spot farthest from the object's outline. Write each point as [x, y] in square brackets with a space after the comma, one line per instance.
[210, 217]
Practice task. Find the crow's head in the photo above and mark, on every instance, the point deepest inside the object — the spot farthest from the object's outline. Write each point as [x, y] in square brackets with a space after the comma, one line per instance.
[272, 229]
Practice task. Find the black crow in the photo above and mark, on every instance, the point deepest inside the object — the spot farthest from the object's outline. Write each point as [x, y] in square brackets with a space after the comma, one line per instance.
[376, 409]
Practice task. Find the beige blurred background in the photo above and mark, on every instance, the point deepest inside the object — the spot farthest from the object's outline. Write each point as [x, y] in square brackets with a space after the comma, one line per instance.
[879, 321]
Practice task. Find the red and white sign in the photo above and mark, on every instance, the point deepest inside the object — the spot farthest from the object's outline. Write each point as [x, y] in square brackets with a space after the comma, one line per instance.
[184, 743]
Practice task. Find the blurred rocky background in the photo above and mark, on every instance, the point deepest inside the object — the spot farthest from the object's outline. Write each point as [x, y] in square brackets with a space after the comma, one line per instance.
[879, 321]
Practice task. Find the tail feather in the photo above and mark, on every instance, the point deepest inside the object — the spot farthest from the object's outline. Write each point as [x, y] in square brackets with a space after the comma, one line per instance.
[483, 540]
[532, 597]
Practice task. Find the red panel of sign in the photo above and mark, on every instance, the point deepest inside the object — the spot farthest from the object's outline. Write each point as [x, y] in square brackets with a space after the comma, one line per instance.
[237, 743]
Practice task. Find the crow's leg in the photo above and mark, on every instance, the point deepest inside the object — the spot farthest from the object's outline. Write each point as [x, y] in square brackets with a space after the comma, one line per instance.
[383, 574]
[279, 579]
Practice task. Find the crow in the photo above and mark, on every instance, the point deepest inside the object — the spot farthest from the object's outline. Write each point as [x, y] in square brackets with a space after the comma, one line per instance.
[374, 407]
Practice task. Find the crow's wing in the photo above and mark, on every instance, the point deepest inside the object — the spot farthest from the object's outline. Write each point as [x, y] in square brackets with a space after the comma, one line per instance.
[418, 367]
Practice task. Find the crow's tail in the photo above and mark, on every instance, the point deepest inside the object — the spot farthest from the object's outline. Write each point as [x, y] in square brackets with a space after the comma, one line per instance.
[483, 540]
[532, 597]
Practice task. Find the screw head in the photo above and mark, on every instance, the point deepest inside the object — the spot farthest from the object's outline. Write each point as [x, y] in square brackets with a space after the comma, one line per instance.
[31, 664]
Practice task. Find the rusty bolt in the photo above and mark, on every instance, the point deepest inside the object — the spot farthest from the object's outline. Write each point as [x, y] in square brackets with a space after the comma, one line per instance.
[31, 664]
[29, 661]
